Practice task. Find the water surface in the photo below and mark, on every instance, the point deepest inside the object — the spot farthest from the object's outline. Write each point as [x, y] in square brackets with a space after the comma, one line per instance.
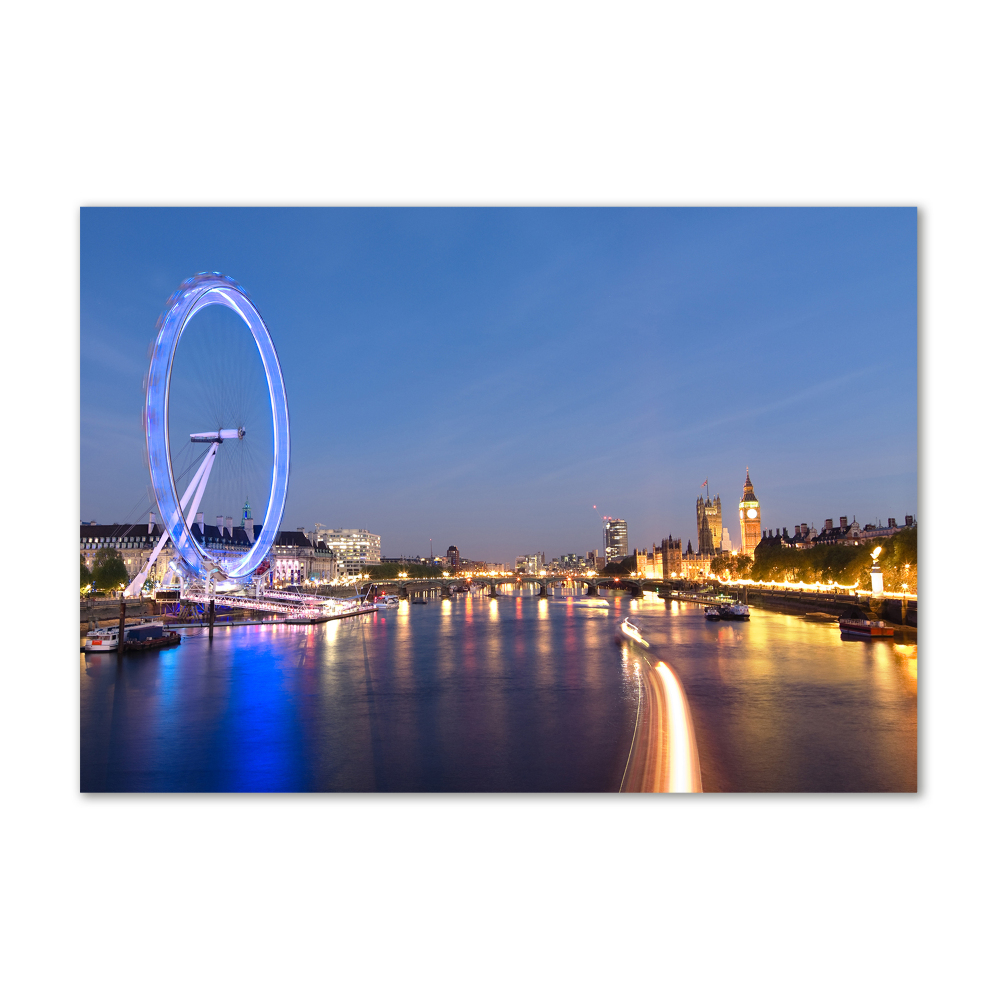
[512, 694]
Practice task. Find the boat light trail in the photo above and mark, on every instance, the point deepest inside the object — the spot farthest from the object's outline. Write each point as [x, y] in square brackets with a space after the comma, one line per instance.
[685, 765]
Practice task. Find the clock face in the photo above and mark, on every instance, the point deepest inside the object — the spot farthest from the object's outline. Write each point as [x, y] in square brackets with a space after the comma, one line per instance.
[751, 512]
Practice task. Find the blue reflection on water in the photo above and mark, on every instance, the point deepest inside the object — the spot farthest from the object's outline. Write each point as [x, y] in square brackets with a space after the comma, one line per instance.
[458, 695]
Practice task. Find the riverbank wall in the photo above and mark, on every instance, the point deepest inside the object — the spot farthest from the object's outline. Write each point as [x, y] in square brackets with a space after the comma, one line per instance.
[889, 609]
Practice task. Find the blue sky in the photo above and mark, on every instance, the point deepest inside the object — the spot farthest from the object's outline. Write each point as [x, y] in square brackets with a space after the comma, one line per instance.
[486, 377]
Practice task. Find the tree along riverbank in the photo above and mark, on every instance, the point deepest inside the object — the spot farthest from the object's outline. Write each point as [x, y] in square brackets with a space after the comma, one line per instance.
[846, 565]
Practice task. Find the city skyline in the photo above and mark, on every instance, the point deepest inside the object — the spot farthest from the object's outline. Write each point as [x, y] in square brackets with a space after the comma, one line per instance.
[696, 540]
[524, 367]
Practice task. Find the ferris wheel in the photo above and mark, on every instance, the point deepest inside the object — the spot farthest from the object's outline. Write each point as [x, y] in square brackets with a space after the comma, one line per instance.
[215, 400]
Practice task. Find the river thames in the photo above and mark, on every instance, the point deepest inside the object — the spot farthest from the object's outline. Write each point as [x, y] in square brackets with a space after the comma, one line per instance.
[509, 694]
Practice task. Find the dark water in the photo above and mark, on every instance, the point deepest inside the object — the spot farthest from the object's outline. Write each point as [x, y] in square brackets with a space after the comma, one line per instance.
[462, 694]
[515, 694]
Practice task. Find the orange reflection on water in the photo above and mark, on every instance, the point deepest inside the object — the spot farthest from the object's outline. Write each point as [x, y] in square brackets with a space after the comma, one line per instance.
[906, 660]
[727, 635]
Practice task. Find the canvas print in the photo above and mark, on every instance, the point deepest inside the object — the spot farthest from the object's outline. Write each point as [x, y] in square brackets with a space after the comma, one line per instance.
[498, 500]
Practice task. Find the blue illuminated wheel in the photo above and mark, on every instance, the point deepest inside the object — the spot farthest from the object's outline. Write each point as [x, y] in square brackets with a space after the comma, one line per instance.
[204, 562]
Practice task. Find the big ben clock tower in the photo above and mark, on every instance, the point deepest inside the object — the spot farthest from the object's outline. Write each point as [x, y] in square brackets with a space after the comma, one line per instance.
[749, 518]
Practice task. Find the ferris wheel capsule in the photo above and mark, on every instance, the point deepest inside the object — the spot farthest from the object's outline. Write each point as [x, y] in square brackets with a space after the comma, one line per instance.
[218, 566]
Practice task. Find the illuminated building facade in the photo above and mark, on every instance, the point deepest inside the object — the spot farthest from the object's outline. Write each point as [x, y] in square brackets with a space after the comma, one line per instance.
[749, 518]
[296, 558]
[672, 562]
[649, 565]
[695, 565]
[661, 562]
[533, 565]
[615, 539]
[353, 548]
[708, 515]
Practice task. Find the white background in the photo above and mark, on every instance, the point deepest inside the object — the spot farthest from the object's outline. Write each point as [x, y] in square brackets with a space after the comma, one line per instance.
[520, 103]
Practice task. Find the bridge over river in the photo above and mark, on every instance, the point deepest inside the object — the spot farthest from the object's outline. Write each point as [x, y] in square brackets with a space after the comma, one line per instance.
[835, 602]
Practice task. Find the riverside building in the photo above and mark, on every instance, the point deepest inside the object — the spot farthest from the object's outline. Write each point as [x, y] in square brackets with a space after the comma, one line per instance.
[695, 565]
[353, 549]
[296, 558]
[853, 534]
[662, 562]
[134, 544]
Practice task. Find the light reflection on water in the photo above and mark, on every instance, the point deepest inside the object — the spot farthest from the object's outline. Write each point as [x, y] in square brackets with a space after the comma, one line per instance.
[513, 693]
[783, 703]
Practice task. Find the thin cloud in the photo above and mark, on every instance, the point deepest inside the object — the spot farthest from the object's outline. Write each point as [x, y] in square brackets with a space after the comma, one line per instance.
[797, 397]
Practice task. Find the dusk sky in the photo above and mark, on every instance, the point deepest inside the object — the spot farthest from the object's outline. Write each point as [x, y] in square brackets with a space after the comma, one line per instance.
[486, 378]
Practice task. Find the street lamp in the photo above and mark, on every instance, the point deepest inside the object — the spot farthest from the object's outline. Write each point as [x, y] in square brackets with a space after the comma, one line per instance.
[876, 572]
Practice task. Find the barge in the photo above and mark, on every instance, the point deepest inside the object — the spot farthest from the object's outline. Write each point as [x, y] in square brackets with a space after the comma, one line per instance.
[864, 627]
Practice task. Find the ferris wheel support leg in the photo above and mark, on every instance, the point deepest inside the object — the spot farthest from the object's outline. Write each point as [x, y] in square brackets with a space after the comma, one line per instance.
[139, 582]
[199, 482]
[202, 480]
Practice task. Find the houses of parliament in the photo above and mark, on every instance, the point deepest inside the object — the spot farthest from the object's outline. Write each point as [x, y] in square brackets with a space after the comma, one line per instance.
[669, 559]
[713, 538]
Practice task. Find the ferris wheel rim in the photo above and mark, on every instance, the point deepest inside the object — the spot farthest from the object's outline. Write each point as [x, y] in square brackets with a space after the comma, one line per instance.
[196, 293]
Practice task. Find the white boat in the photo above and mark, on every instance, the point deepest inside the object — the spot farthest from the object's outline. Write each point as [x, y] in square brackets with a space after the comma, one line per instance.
[387, 601]
[101, 640]
[735, 611]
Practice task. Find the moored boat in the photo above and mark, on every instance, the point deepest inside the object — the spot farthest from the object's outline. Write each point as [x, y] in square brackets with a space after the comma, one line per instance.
[146, 635]
[387, 601]
[166, 638]
[735, 612]
[101, 640]
[862, 626]
[712, 613]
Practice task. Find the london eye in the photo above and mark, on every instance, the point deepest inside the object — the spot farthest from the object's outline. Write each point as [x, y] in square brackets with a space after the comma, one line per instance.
[215, 419]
